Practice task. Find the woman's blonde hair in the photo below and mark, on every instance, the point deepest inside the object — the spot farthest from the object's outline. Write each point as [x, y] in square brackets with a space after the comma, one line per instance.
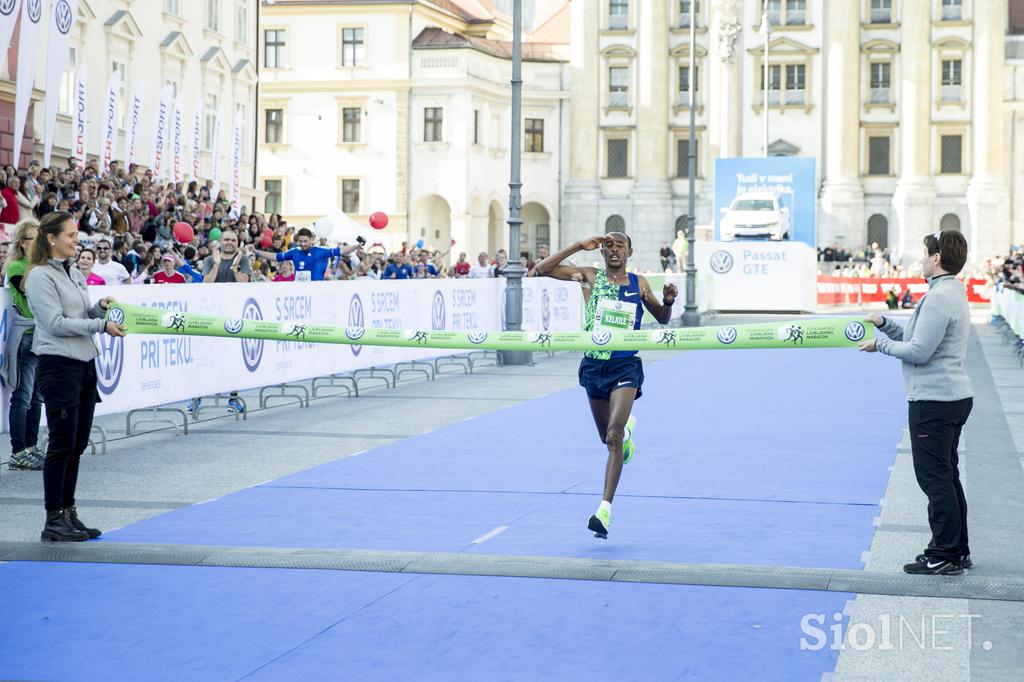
[16, 252]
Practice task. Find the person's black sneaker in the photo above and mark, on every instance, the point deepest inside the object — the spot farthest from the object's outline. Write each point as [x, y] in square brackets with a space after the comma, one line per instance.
[76, 523]
[965, 560]
[58, 529]
[933, 566]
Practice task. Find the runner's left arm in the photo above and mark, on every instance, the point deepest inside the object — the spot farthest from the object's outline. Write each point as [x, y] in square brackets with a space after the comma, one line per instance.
[662, 310]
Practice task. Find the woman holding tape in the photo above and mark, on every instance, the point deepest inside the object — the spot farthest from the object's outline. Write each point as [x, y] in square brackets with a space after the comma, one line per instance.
[933, 348]
[66, 373]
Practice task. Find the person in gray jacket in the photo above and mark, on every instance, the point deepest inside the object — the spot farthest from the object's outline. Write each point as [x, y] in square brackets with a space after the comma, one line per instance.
[66, 373]
[933, 348]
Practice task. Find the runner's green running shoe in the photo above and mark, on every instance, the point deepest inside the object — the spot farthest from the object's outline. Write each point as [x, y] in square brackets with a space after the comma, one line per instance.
[628, 448]
[600, 522]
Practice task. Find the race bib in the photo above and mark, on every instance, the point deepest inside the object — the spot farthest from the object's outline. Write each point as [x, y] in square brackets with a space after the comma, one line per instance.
[303, 276]
[614, 316]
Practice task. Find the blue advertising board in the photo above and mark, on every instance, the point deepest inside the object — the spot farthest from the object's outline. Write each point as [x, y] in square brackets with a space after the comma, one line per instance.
[790, 179]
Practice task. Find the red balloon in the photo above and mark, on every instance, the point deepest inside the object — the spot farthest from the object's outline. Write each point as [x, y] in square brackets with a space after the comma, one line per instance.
[379, 220]
[183, 233]
[266, 241]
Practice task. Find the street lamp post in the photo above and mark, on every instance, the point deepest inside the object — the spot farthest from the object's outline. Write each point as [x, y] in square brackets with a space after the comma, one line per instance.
[514, 273]
[690, 316]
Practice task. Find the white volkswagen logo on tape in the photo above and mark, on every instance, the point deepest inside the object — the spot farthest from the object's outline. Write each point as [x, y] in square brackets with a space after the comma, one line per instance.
[116, 315]
[855, 331]
[726, 335]
[721, 262]
[477, 336]
[233, 326]
[601, 337]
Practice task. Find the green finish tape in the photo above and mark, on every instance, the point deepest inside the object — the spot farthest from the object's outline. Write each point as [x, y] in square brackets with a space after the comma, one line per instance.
[829, 332]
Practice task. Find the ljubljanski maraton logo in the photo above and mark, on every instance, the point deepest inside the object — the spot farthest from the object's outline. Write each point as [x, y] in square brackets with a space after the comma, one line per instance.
[174, 322]
[252, 349]
[545, 309]
[233, 326]
[62, 15]
[109, 363]
[601, 338]
[35, 10]
[477, 336]
[855, 331]
[116, 315]
[355, 329]
[721, 262]
[437, 312]
[726, 335]
[792, 333]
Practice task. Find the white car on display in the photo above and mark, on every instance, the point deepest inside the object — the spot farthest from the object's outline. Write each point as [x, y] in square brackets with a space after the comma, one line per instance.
[755, 215]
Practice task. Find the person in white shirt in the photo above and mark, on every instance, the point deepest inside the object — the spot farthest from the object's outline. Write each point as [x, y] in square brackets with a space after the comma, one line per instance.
[111, 271]
[482, 268]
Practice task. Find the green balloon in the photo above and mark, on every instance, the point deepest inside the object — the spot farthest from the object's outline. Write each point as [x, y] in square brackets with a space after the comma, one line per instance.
[214, 234]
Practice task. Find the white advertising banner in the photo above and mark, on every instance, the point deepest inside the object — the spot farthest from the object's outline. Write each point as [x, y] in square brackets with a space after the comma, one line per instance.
[28, 42]
[197, 122]
[177, 140]
[756, 276]
[142, 371]
[61, 21]
[161, 124]
[133, 122]
[80, 125]
[110, 121]
[237, 134]
[215, 152]
[8, 19]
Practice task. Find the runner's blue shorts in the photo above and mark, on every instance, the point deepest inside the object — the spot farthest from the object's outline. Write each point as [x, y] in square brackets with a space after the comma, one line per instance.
[601, 377]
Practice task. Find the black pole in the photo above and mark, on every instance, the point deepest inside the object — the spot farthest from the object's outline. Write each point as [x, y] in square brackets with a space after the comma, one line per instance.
[514, 273]
[690, 316]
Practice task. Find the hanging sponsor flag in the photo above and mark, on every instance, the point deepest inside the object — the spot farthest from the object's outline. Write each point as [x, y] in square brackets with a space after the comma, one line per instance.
[160, 125]
[133, 120]
[110, 120]
[80, 125]
[8, 18]
[215, 173]
[197, 126]
[62, 19]
[28, 42]
[237, 135]
[177, 141]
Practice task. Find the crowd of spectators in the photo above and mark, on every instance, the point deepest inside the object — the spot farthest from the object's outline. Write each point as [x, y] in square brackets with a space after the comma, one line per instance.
[1007, 271]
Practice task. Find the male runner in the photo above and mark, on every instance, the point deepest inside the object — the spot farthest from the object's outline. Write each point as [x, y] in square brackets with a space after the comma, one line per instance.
[612, 380]
[310, 261]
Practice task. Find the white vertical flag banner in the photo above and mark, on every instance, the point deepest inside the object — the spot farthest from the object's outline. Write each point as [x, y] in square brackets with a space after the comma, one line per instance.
[197, 127]
[8, 18]
[237, 134]
[160, 123]
[110, 120]
[133, 120]
[177, 141]
[62, 19]
[80, 126]
[28, 43]
[215, 172]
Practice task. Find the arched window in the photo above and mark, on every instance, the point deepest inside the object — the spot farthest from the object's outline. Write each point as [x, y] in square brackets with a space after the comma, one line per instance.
[950, 221]
[878, 231]
[615, 223]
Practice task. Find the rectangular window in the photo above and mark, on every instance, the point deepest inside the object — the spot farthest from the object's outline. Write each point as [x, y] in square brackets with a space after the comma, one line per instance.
[684, 13]
[352, 118]
[352, 47]
[174, 88]
[433, 124]
[273, 48]
[242, 21]
[618, 14]
[534, 141]
[774, 83]
[272, 202]
[796, 83]
[952, 10]
[881, 82]
[618, 87]
[951, 154]
[67, 83]
[952, 70]
[683, 158]
[476, 126]
[618, 158]
[273, 129]
[684, 84]
[213, 15]
[773, 10]
[173, 7]
[122, 97]
[878, 156]
[881, 11]
[210, 119]
[350, 196]
[796, 12]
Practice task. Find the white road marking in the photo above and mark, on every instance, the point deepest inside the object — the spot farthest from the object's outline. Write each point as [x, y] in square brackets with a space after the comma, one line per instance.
[485, 538]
